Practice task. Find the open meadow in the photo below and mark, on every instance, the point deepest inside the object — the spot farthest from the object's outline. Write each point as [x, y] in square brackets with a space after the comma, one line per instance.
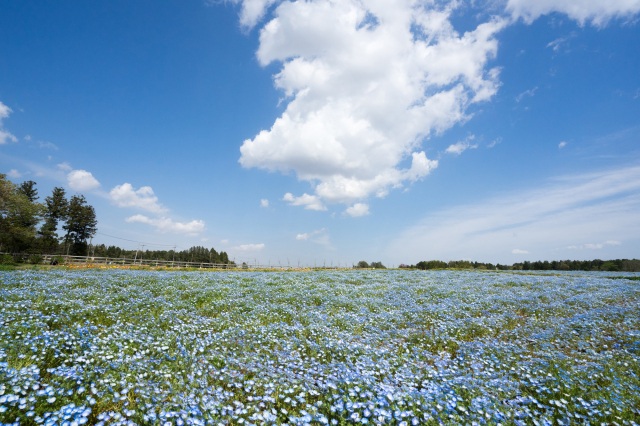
[321, 347]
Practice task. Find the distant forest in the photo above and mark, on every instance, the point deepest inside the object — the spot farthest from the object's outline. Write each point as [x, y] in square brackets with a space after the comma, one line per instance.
[194, 254]
[623, 265]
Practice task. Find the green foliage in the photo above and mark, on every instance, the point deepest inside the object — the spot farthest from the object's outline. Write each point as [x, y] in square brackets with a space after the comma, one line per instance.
[28, 189]
[19, 215]
[431, 264]
[375, 265]
[81, 224]
[626, 265]
[35, 259]
[56, 210]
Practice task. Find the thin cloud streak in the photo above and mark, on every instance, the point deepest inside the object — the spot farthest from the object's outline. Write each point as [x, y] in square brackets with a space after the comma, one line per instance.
[568, 212]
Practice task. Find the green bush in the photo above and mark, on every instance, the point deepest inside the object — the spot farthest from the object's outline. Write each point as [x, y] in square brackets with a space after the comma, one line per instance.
[57, 260]
[6, 259]
[35, 259]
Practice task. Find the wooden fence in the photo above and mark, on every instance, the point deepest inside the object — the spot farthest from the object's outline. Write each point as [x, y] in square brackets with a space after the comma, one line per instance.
[57, 259]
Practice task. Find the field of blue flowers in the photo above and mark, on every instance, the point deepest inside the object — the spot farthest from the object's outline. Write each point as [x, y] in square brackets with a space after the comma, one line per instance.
[328, 347]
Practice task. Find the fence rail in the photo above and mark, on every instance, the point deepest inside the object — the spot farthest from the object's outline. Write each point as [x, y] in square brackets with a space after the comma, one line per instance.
[53, 259]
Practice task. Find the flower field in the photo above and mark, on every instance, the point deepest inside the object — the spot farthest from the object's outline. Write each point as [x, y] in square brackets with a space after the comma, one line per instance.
[329, 347]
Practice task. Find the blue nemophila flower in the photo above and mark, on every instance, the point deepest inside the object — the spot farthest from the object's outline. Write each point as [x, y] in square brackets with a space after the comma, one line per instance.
[451, 347]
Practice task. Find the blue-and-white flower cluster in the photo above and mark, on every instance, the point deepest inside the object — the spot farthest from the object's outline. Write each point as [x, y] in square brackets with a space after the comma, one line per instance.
[325, 347]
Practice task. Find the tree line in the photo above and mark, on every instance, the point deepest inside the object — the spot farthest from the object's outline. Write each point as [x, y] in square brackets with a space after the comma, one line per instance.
[196, 254]
[627, 265]
[60, 225]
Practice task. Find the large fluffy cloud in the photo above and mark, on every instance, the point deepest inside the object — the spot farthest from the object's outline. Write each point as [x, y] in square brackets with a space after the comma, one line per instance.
[366, 82]
[364, 91]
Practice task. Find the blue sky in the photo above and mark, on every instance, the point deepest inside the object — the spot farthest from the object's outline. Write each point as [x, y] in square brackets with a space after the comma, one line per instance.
[325, 132]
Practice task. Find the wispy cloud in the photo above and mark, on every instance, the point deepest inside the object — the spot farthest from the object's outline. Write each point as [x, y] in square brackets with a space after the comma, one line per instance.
[494, 142]
[264, 203]
[598, 13]
[5, 136]
[460, 147]
[601, 206]
[594, 246]
[14, 174]
[560, 43]
[526, 94]
[47, 145]
[249, 247]
[562, 144]
[319, 236]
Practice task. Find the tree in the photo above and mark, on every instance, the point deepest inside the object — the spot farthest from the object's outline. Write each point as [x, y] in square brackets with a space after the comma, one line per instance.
[19, 215]
[431, 264]
[81, 224]
[56, 210]
[362, 264]
[28, 188]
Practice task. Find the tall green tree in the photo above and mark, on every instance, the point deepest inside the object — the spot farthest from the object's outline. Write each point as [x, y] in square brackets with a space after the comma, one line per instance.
[81, 225]
[56, 210]
[28, 188]
[19, 214]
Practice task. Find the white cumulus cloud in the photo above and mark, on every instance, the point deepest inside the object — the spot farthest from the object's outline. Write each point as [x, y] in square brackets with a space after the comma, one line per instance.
[165, 224]
[310, 202]
[363, 93]
[597, 12]
[252, 11]
[143, 198]
[358, 210]
[82, 180]
[264, 203]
